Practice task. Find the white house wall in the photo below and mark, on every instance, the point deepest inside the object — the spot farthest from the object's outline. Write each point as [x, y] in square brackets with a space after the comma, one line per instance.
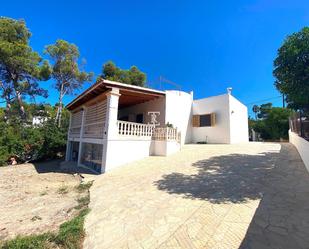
[179, 113]
[157, 105]
[302, 146]
[122, 151]
[238, 121]
[163, 147]
[220, 133]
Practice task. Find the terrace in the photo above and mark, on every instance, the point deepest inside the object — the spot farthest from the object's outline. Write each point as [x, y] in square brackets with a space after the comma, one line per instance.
[117, 113]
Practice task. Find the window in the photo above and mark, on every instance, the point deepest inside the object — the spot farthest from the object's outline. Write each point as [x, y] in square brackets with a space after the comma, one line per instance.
[205, 120]
[139, 118]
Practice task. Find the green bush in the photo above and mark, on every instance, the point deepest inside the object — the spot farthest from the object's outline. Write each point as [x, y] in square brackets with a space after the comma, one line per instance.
[54, 140]
[27, 142]
[274, 126]
[29, 242]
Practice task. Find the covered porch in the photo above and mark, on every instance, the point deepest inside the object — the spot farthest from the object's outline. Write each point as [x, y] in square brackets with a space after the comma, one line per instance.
[114, 124]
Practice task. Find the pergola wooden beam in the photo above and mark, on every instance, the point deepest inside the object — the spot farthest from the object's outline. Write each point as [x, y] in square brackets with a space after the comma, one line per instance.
[130, 95]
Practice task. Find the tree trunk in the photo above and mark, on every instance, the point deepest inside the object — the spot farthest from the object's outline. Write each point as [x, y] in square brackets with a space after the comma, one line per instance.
[7, 98]
[60, 113]
[59, 110]
[19, 97]
[57, 114]
[7, 108]
[21, 105]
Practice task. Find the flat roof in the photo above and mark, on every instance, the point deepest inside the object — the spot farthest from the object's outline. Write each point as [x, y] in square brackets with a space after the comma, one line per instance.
[130, 94]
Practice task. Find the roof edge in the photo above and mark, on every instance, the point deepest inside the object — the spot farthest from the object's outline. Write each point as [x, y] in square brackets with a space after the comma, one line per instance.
[111, 83]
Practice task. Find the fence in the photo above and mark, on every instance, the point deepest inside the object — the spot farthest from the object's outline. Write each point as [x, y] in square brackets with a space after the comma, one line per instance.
[300, 125]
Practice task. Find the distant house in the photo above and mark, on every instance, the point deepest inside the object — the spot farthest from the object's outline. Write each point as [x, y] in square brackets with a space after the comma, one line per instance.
[114, 123]
[39, 118]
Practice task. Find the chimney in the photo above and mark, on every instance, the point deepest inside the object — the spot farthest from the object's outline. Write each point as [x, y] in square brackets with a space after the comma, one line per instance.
[229, 90]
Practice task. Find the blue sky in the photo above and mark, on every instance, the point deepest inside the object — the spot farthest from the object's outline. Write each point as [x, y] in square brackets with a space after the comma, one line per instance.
[204, 46]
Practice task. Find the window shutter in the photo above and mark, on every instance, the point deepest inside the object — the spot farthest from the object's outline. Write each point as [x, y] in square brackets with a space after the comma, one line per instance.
[196, 121]
[213, 119]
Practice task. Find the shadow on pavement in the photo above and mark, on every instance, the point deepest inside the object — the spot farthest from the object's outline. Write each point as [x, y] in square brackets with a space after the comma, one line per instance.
[281, 220]
[229, 178]
[280, 180]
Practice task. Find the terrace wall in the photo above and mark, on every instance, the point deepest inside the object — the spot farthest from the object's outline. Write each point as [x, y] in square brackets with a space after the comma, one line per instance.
[302, 146]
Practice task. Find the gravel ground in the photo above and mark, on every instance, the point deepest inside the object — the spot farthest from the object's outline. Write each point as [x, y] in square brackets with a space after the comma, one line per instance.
[35, 198]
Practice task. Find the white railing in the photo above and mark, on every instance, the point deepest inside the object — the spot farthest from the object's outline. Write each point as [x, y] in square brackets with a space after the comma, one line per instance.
[166, 133]
[134, 129]
[96, 130]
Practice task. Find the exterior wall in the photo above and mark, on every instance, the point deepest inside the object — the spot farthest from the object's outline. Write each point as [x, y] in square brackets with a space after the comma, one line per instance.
[122, 151]
[87, 125]
[302, 146]
[164, 148]
[157, 105]
[238, 113]
[125, 150]
[179, 113]
[220, 133]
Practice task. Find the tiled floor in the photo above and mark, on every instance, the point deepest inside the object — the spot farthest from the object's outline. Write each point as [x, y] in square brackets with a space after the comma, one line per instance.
[206, 196]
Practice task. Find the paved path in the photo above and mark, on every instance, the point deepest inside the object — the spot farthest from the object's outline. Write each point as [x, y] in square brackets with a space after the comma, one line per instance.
[206, 196]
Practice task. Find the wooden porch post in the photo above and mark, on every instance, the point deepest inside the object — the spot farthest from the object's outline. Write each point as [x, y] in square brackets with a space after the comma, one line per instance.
[81, 133]
[68, 148]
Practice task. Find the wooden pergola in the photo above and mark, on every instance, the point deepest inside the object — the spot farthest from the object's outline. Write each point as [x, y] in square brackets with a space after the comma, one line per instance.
[130, 95]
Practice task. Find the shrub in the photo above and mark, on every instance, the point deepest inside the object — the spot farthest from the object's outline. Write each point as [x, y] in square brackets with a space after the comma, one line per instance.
[28, 143]
[29, 242]
[71, 233]
[83, 187]
[275, 125]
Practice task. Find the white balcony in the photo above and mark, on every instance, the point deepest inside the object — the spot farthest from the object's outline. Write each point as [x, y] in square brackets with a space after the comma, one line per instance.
[131, 129]
[126, 128]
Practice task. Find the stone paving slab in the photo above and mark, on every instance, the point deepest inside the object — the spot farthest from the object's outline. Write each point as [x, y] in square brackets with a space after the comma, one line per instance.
[205, 196]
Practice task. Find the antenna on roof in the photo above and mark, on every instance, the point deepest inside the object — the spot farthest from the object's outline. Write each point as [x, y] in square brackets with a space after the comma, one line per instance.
[160, 81]
[164, 80]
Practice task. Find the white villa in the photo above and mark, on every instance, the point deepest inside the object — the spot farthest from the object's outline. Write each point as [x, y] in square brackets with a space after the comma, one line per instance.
[114, 123]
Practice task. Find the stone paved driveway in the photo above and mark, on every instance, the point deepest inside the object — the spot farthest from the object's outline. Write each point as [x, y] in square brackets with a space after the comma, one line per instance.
[206, 196]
